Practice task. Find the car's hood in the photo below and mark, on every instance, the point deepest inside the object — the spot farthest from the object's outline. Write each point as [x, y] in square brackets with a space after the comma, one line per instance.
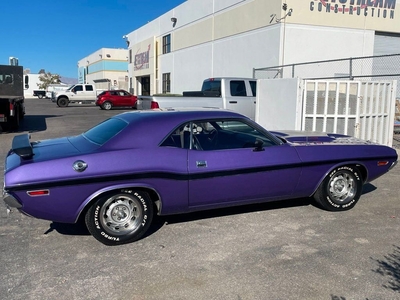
[311, 137]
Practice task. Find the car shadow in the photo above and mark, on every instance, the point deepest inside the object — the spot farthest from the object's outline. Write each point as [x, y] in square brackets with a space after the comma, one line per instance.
[160, 221]
[236, 210]
[368, 188]
[78, 228]
[31, 124]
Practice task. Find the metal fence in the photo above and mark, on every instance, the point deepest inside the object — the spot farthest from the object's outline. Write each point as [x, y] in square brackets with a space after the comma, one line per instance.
[382, 67]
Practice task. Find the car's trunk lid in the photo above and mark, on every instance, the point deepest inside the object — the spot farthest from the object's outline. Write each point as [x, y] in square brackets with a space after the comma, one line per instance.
[24, 152]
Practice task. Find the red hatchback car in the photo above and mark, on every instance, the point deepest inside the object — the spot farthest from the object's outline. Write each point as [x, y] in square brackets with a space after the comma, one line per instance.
[116, 98]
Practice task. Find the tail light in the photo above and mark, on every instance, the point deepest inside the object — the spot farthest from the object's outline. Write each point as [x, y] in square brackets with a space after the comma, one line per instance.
[154, 105]
[11, 109]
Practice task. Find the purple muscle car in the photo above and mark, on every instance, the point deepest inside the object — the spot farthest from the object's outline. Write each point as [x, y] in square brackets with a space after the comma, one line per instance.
[121, 172]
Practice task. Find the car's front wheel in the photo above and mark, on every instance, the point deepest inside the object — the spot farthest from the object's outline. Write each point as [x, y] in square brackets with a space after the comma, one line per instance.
[340, 190]
[120, 217]
[107, 105]
[62, 102]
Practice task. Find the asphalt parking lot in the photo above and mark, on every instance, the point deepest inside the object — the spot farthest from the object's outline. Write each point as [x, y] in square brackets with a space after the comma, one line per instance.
[284, 250]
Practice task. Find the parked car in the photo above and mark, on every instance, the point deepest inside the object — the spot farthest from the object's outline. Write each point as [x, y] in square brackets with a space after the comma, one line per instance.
[120, 173]
[116, 98]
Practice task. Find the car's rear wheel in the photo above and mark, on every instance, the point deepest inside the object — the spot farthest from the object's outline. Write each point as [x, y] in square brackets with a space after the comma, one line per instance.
[340, 190]
[120, 217]
[106, 105]
[62, 102]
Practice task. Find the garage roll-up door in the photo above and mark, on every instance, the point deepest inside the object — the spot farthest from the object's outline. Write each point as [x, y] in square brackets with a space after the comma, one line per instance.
[385, 44]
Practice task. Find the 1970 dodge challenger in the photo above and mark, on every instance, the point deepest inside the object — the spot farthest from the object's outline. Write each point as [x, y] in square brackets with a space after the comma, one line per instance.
[121, 172]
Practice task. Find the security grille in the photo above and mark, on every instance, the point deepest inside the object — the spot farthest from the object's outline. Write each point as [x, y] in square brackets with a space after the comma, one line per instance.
[356, 108]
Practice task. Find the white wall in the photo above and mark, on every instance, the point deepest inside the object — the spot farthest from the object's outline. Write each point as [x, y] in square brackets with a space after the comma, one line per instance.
[33, 85]
[279, 104]
[304, 43]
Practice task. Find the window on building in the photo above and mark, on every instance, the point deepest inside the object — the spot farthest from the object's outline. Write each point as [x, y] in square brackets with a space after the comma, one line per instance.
[166, 83]
[130, 56]
[166, 44]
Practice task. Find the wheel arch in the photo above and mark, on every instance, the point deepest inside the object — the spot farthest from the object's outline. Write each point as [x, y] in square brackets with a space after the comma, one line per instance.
[153, 194]
[63, 96]
[360, 166]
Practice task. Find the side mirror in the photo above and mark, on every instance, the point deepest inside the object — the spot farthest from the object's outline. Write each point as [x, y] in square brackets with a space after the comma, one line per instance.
[259, 145]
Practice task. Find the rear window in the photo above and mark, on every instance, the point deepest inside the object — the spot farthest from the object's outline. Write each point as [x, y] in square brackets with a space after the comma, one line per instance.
[211, 86]
[104, 131]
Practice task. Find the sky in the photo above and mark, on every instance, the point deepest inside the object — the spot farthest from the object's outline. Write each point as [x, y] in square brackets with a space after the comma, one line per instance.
[54, 35]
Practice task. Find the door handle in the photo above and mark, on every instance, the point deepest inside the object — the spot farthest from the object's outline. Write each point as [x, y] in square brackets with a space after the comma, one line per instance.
[201, 163]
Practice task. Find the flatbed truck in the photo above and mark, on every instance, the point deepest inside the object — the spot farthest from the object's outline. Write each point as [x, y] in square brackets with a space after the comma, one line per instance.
[12, 108]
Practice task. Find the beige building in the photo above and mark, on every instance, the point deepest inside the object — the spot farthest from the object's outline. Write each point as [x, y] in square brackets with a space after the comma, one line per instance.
[107, 68]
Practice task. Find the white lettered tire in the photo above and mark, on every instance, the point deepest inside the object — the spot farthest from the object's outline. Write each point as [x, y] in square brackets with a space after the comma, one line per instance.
[341, 189]
[120, 217]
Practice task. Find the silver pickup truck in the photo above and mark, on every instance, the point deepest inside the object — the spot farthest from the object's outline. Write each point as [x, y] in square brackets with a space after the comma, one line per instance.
[237, 94]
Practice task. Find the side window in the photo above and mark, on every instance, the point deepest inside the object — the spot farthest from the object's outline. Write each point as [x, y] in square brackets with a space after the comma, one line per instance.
[238, 88]
[89, 87]
[180, 138]
[218, 135]
[78, 88]
[233, 134]
[253, 85]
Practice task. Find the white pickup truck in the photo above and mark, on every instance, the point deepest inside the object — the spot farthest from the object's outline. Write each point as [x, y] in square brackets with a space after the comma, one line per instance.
[238, 94]
[78, 93]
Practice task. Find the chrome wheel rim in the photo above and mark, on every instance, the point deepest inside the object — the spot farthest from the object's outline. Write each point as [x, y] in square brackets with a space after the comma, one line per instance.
[121, 214]
[107, 105]
[342, 187]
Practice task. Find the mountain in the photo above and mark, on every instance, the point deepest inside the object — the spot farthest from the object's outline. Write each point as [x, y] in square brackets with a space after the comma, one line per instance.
[68, 80]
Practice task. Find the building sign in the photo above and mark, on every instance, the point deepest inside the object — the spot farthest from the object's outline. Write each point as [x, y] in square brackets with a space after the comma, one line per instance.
[374, 8]
[142, 60]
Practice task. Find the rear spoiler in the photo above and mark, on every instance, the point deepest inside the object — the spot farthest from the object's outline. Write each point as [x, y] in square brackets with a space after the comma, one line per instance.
[22, 147]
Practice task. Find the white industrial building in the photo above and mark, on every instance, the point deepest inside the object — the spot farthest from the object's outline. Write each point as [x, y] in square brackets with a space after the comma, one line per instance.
[210, 38]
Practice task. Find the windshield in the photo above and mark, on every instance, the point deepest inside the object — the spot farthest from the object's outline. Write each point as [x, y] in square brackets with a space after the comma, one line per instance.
[104, 131]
